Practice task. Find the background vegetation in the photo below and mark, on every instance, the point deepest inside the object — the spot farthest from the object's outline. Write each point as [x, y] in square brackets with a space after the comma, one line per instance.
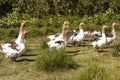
[42, 8]
[46, 16]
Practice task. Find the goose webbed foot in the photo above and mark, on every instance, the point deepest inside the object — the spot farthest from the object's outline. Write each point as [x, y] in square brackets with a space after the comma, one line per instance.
[76, 44]
[101, 50]
[13, 59]
[108, 46]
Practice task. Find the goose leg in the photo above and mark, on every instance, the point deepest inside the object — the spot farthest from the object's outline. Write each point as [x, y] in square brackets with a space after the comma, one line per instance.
[101, 49]
[14, 57]
[76, 44]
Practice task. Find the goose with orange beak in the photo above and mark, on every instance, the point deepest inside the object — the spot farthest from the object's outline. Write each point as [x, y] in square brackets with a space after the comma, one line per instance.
[61, 41]
[17, 47]
[111, 37]
[79, 35]
[102, 41]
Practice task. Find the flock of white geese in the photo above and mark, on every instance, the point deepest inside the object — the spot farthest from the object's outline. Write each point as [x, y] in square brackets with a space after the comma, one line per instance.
[17, 47]
[100, 38]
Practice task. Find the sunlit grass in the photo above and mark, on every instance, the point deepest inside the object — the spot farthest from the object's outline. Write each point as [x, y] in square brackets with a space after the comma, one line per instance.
[116, 50]
[55, 60]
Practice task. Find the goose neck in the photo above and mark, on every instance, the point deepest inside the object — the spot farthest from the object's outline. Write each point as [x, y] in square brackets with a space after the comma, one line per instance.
[64, 34]
[21, 27]
[22, 39]
[103, 33]
[103, 30]
[64, 37]
[20, 32]
[113, 30]
[80, 27]
[63, 29]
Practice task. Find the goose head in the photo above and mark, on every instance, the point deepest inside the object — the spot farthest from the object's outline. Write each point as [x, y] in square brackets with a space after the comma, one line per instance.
[26, 31]
[23, 22]
[81, 24]
[115, 24]
[66, 24]
[105, 26]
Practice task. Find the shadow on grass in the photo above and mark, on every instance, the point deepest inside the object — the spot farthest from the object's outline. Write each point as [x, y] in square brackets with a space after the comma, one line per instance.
[28, 50]
[76, 52]
[73, 52]
[99, 51]
[29, 55]
[25, 59]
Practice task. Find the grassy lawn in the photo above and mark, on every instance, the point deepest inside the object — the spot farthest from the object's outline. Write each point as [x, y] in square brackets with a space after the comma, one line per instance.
[84, 56]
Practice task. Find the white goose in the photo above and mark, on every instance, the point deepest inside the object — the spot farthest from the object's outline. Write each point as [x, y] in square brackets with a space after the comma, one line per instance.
[51, 37]
[112, 36]
[79, 35]
[15, 48]
[102, 41]
[96, 33]
[59, 42]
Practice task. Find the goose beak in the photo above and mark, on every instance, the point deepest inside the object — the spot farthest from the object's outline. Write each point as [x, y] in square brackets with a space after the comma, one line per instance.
[82, 23]
[25, 21]
[28, 31]
[117, 24]
[105, 26]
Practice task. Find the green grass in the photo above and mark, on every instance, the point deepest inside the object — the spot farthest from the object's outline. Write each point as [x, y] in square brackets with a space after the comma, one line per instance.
[116, 51]
[55, 60]
[92, 72]
[60, 65]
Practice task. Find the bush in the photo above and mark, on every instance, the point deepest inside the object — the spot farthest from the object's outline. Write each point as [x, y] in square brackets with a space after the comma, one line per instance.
[37, 31]
[12, 32]
[8, 34]
[11, 20]
[55, 60]
[35, 22]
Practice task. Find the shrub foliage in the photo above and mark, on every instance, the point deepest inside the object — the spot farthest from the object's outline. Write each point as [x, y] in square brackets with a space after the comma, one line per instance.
[55, 60]
[41, 8]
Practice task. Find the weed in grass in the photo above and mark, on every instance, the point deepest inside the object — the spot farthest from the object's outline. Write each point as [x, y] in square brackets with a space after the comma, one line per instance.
[2, 31]
[12, 32]
[1, 60]
[43, 44]
[116, 51]
[93, 72]
[55, 60]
